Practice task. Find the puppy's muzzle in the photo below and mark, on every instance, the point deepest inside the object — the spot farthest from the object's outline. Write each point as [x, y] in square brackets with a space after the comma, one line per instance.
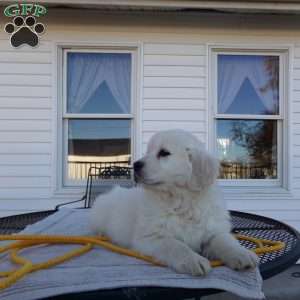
[137, 167]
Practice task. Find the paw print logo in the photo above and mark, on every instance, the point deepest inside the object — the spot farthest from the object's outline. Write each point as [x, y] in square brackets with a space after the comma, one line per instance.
[24, 31]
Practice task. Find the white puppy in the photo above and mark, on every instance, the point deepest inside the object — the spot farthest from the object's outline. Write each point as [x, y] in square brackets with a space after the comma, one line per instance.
[177, 214]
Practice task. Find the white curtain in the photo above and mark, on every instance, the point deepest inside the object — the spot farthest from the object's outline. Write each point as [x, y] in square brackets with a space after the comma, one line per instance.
[233, 70]
[87, 71]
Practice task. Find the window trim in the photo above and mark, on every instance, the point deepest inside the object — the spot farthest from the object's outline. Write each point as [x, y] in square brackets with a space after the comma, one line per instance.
[64, 116]
[283, 180]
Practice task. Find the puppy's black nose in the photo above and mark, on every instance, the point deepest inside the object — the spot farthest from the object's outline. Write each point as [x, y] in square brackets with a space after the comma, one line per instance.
[137, 166]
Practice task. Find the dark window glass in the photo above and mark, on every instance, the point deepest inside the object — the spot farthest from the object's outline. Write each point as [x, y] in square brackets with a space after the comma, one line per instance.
[247, 149]
[99, 143]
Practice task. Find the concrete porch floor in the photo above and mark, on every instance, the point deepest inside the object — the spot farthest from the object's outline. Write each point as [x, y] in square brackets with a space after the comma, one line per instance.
[284, 286]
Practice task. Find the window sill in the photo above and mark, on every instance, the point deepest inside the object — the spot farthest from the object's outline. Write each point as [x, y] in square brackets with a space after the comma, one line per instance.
[98, 182]
[229, 192]
[78, 189]
[247, 192]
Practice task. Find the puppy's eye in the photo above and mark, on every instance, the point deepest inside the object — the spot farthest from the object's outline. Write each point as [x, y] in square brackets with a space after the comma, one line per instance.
[163, 153]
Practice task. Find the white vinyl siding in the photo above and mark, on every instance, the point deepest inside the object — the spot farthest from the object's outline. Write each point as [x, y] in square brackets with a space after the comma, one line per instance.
[23, 79]
[295, 107]
[173, 71]
[25, 126]
[172, 89]
[34, 68]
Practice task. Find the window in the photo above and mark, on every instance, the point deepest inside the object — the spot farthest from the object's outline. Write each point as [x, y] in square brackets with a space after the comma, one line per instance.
[98, 114]
[248, 115]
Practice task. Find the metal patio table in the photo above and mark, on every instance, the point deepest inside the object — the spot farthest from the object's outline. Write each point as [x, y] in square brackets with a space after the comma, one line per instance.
[242, 223]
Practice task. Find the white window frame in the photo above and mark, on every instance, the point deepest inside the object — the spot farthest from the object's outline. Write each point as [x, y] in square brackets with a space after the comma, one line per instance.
[66, 182]
[281, 118]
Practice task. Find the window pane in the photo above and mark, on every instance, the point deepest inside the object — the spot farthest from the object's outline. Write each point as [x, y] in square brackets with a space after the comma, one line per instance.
[99, 143]
[248, 84]
[98, 82]
[247, 149]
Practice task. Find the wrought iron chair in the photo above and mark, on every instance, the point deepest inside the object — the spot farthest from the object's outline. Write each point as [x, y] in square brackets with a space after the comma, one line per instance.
[96, 177]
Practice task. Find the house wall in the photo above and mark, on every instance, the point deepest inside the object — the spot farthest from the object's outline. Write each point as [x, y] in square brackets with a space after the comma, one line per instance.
[172, 91]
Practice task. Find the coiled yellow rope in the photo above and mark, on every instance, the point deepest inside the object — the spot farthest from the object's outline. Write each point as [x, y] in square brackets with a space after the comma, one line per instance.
[26, 241]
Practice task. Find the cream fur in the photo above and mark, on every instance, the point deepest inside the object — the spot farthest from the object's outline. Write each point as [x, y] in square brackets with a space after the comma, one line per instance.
[177, 213]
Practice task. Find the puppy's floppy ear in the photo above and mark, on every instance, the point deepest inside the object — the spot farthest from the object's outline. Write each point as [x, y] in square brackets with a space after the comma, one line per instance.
[205, 168]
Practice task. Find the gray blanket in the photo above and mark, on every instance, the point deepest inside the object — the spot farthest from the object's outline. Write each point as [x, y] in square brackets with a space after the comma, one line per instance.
[102, 269]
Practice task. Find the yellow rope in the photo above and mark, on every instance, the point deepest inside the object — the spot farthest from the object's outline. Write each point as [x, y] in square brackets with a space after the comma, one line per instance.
[262, 246]
[14, 275]
[26, 241]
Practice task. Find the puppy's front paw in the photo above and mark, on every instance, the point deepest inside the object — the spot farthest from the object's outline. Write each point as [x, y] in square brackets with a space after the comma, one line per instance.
[193, 264]
[242, 259]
